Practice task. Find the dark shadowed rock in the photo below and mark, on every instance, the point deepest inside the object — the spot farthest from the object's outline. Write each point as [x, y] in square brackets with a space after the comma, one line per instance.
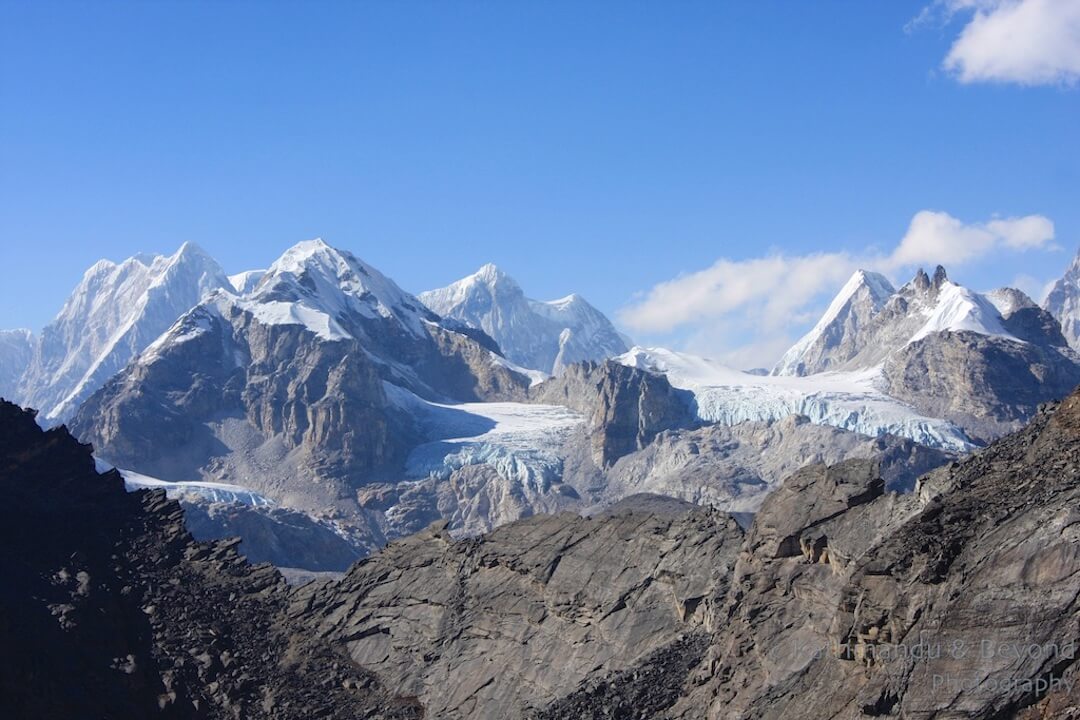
[110, 609]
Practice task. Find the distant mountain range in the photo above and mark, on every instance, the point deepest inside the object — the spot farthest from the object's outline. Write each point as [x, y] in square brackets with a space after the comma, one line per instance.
[547, 336]
[322, 387]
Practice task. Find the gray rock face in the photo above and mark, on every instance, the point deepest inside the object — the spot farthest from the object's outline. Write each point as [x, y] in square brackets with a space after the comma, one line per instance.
[735, 467]
[626, 406]
[843, 600]
[545, 336]
[908, 606]
[114, 313]
[242, 399]
[16, 350]
[988, 386]
[499, 625]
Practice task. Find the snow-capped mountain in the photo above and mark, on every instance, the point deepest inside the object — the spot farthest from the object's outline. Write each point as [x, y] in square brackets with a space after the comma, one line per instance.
[869, 320]
[984, 362]
[838, 334]
[244, 282]
[114, 313]
[16, 349]
[546, 336]
[331, 289]
[291, 388]
[1063, 302]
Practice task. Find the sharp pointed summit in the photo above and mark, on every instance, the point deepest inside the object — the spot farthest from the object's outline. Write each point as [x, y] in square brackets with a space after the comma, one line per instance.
[838, 334]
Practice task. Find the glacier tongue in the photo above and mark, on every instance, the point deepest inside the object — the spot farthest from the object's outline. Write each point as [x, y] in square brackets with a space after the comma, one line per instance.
[209, 491]
[522, 442]
[848, 400]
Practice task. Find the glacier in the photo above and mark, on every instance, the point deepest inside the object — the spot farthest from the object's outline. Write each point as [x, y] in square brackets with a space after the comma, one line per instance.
[522, 442]
[847, 400]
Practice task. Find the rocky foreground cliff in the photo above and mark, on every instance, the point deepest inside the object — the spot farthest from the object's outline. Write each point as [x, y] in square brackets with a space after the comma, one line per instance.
[109, 609]
[841, 600]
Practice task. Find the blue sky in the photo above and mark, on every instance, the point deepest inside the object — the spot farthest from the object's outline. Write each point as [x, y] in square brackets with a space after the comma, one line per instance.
[604, 148]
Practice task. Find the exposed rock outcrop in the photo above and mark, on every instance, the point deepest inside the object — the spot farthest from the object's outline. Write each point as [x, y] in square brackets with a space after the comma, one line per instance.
[627, 407]
[957, 601]
[500, 625]
[989, 386]
[735, 467]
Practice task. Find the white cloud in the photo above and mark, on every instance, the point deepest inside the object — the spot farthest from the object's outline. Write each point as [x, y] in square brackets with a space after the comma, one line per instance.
[1030, 42]
[776, 287]
[1035, 288]
[937, 238]
[745, 311]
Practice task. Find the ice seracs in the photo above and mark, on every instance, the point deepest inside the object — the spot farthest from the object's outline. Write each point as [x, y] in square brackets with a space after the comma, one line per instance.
[847, 400]
[545, 336]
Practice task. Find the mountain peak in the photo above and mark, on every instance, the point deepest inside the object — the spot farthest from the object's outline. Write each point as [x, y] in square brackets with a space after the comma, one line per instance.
[1063, 301]
[568, 301]
[189, 249]
[861, 298]
[489, 271]
[545, 336]
[301, 252]
[939, 277]
[331, 281]
[491, 275]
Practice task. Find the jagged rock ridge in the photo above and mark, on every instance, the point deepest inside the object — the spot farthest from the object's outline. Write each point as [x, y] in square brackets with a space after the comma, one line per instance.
[114, 313]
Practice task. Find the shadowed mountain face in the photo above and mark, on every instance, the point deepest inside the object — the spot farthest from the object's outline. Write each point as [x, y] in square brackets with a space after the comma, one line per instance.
[110, 609]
